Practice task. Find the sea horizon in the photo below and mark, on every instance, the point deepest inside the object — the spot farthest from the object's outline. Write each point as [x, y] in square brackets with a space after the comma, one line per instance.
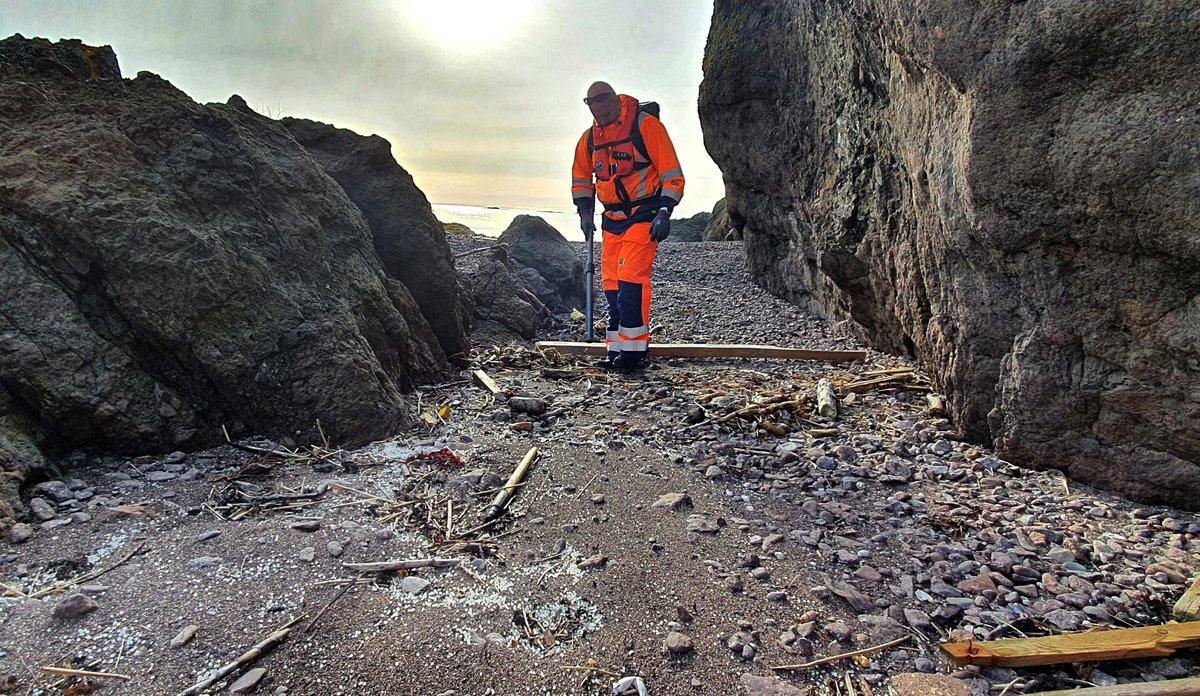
[491, 221]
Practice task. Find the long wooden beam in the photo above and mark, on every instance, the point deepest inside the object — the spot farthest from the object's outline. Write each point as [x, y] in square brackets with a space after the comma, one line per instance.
[713, 350]
[1093, 646]
[1174, 687]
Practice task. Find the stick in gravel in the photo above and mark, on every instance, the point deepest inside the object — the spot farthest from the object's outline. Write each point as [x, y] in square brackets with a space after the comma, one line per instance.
[391, 566]
[80, 579]
[835, 658]
[245, 658]
[84, 673]
[336, 597]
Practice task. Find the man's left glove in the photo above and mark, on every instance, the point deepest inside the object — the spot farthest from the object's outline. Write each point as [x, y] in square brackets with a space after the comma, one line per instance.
[660, 229]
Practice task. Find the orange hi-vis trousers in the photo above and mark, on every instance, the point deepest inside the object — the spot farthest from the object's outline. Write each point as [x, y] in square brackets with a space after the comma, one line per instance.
[625, 263]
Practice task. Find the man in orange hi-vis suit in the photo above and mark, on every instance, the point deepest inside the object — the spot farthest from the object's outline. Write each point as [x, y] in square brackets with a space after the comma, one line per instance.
[627, 160]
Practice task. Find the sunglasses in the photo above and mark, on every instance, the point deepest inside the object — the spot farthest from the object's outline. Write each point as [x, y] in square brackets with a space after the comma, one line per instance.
[598, 98]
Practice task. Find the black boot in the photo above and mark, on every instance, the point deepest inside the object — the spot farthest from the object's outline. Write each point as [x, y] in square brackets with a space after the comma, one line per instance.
[628, 363]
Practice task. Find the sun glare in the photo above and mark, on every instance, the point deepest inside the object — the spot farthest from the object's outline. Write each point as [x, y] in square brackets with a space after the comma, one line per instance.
[466, 24]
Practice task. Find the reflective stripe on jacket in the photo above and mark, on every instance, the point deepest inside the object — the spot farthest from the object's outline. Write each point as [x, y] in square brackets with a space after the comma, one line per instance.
[631, 185]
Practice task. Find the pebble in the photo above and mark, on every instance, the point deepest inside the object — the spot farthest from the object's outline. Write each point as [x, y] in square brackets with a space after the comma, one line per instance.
[186, 634]
[413, 584]
[307, 554]
[673, 501]
[594, 562]
[74, 605]
[204, 563]
[334, 549]
[916, 684]
[679, 643]
[20, 533]
[42, 509]
[702, 524]
[57, 491]
[248, 681]
[528, 405]
[754, 685]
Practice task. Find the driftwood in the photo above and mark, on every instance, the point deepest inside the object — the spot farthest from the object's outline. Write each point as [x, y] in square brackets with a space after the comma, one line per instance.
[1188, 606]
[834, 658]
[827, 402]
[1094, 646]
[893, 380]
[1176, 687]
[393, 566]
[713, 350]
[259, 649]
[482, 379]
[63, 671]
[504, 497]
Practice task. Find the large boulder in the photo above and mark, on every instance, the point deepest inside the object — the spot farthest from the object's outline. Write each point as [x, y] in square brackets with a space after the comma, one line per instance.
[1006, 190]
[410, 241]
[497, 295]
[534, 244]
[168, 268]
[689, 229]
[721, 228]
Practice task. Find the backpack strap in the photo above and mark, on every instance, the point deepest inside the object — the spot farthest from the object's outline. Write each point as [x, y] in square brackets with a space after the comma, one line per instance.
[636, 135]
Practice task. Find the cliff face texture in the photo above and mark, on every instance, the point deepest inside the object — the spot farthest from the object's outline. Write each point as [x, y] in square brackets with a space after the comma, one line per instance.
[1007, 190]
[167, 268]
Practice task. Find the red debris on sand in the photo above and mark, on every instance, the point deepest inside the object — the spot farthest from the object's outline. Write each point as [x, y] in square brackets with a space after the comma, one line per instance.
[445, 458]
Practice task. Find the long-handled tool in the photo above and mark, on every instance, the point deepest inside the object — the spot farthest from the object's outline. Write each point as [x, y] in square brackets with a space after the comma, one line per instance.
[590, 273]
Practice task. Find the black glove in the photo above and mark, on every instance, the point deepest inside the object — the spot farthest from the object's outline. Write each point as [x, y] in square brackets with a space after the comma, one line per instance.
[660, 229]
[587, 223]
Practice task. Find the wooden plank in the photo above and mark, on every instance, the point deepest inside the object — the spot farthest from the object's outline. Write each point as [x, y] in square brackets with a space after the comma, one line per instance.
[713, 350]
[482, 379]
[1188, 606]
[1120, 644]
[1174, 687]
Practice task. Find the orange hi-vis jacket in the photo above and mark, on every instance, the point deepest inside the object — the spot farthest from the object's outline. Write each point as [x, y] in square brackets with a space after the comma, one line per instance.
[631, 183]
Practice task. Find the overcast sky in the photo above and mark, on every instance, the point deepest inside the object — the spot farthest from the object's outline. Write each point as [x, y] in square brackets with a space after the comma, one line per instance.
[480, 99]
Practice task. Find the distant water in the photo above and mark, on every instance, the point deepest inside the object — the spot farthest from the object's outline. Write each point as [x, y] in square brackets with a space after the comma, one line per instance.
[493, 221]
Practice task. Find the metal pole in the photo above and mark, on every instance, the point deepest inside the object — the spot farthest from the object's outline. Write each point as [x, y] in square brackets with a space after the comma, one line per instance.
[590, 273]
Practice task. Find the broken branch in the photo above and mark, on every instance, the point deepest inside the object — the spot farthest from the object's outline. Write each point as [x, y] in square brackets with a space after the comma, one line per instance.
[84, 673]
[277, 637]
[835, 658]
[392, 566]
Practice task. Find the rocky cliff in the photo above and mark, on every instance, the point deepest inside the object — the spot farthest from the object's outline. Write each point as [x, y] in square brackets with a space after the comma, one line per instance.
[168, 268]
[1006, 190]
